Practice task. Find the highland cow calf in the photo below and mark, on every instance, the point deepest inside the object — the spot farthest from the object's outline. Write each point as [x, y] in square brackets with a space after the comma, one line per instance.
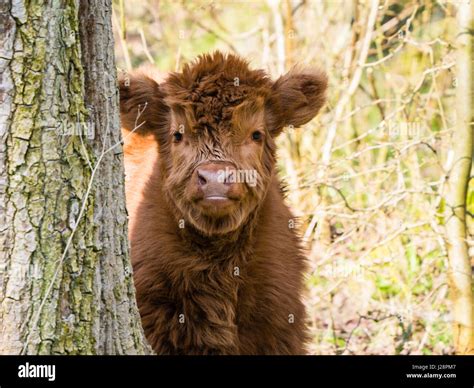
[217, 264]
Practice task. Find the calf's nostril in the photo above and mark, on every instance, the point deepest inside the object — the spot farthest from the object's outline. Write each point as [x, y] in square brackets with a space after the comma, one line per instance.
[229, 179]
[201, 179]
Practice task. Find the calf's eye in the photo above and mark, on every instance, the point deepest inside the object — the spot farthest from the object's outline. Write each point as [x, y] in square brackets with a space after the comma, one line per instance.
[257, 135]
[177, 137]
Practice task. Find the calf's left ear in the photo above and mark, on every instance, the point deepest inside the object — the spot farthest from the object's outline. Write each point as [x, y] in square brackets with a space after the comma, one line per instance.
[296, 98]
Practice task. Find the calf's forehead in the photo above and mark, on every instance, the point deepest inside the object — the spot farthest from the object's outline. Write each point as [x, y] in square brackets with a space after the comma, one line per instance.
[220, 126]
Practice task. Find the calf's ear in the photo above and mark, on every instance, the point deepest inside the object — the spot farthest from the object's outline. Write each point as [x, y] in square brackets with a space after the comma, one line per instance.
[142, 106]
[296, 98]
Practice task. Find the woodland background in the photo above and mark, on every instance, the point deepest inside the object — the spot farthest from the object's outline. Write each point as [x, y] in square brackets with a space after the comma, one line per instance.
[367, 178]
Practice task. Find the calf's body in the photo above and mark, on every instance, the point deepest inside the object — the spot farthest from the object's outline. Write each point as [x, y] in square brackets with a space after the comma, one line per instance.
[236, 294]
[215, 273]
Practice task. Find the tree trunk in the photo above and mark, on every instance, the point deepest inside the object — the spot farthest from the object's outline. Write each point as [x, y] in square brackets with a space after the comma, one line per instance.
[460, 272]
[65, 277]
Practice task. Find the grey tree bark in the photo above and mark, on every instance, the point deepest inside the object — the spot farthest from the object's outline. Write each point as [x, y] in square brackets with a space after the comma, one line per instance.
[66, 282]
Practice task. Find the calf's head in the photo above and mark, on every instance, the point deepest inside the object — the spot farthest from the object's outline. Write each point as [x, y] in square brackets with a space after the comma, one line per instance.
[215, 124]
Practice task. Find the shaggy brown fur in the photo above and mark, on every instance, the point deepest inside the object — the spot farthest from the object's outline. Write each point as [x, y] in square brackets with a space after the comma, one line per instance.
[215, 280]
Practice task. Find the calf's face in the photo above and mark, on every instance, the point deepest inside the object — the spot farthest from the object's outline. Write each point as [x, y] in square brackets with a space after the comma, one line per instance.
[215, 124]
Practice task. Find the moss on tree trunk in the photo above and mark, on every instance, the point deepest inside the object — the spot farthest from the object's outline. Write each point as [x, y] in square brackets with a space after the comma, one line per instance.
[65, 276]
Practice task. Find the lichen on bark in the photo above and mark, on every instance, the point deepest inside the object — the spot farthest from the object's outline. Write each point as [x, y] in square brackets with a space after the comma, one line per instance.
[62, 247]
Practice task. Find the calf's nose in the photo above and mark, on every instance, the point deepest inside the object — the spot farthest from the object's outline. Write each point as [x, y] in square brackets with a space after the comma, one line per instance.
[217, 181]
[208, 176]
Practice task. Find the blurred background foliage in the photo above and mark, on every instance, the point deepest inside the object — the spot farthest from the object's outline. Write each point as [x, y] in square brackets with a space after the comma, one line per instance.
[365, 176]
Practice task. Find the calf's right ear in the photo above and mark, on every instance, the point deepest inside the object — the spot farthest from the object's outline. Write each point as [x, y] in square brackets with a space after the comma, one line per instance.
[142, 107]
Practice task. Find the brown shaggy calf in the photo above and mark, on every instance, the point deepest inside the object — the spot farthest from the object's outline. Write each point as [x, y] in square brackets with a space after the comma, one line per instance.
[217, 264]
